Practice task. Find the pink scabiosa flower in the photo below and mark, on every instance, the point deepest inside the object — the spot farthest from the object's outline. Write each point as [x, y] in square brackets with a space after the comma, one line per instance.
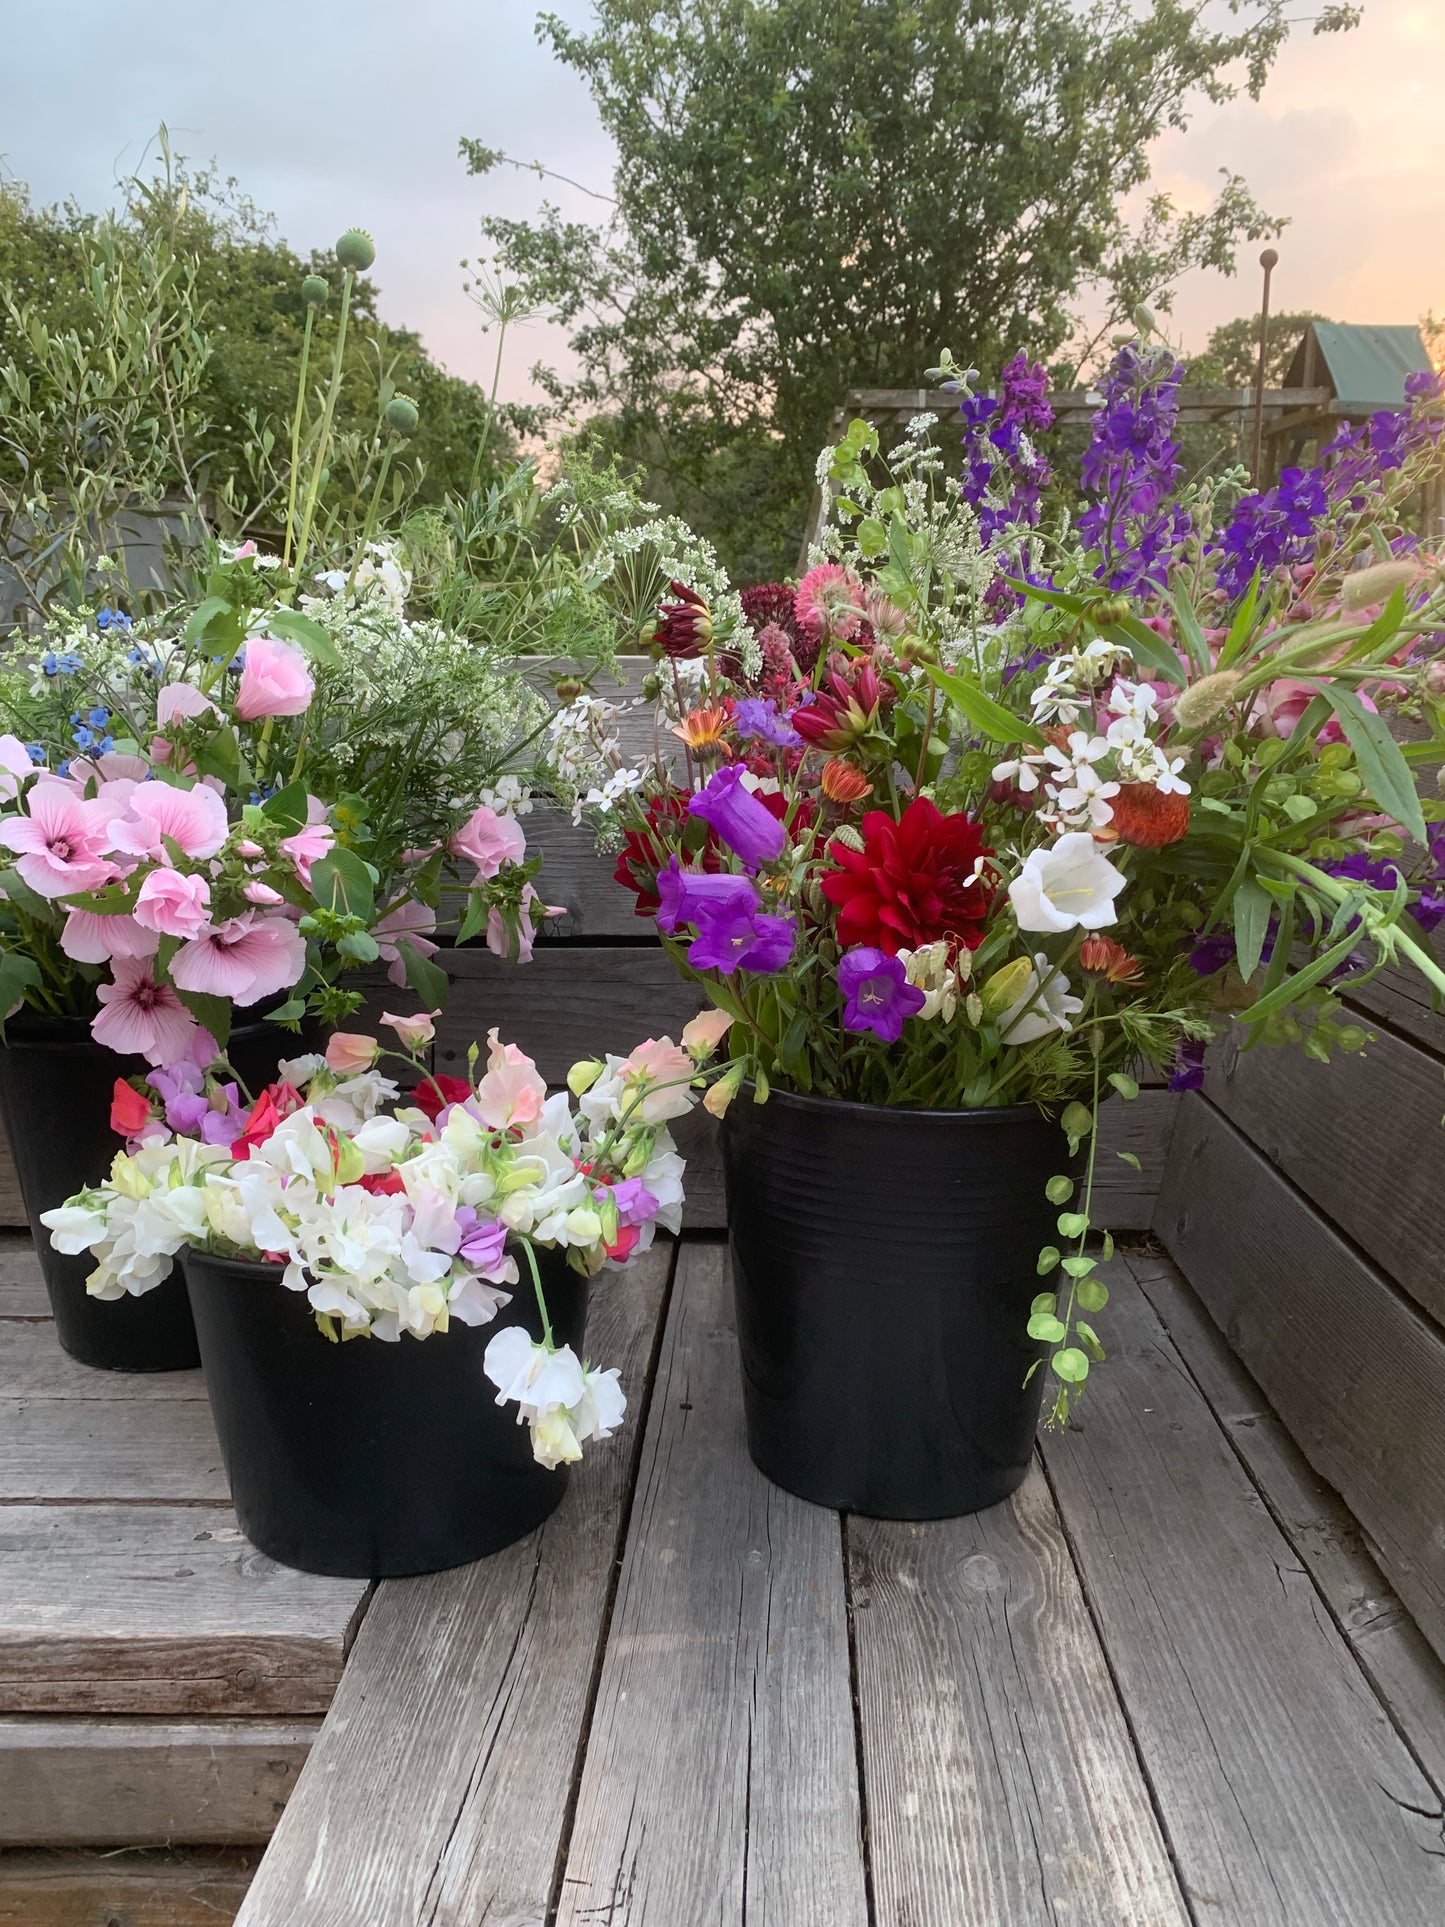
[91, 938]
[173, 905]
[275, 681]
[829, 603]
[61, 842]
[194, 819]
[141, 1018]
[245, 958]
[489, 840]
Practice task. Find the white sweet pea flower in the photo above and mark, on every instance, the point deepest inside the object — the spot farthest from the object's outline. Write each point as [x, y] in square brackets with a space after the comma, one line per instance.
[74, 1228]
[1044, 1006]
[1067, 885]
[538, 1379]
[603, 1404]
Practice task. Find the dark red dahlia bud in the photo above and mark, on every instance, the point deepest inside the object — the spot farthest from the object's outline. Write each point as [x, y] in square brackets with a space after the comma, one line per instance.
[684, 627]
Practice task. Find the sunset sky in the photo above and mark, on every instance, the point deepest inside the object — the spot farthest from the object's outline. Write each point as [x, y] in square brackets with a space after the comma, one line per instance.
[342, 111]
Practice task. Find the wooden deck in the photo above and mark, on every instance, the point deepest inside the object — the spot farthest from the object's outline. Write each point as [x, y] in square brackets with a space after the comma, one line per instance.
[1165, 1684]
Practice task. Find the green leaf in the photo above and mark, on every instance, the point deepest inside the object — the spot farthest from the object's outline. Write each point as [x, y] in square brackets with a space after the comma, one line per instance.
[1092, 1294]
[1044, 1325]
[1386, 773]
[341, 883]
[1286, 991]
[1079, 1266]
[287, 807]
[1124, 1085]
[1071, 1365]
[205, 613]
[1239, 629]
[220, 755]
[1072, 1224]
[291, 1012]
[1252, 908]
[17, 973]
[1146, 647]
[1048, 1258]
[1091, 1339]
[306, 633]
[19, 892]
[475, 918]
[991, 718]
[360, 946]
[211, 1013]
[1059, 1190]
[1046, 1301]
[1194, 639]
[872, 537]
[1077, 1120]
[1128, 1157]
[430, 982]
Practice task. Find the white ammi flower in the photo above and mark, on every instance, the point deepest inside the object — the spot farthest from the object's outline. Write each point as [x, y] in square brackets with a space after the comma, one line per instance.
[1067, 885]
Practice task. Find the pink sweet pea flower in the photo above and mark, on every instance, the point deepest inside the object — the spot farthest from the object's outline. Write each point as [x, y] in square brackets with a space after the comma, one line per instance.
[348, 1053]
[140, 1017]
[702, 1034]
[275, 681]
[413, 1032]
[195, 819]
[511, 1092]
[411, 921]
[489, 841]
[658, 1073]
[61, 842]
[15, 766]
[245, 958]
[497, 940]
[173, 905]
[91, 938]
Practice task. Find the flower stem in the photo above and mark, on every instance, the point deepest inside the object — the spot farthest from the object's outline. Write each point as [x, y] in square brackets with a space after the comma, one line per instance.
[541, 1300]
[296, 420]
[328, 416]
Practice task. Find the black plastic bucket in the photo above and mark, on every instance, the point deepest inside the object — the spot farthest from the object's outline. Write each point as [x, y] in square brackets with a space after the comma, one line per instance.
[884, 1262]
[56, 1084]
[370, 1460]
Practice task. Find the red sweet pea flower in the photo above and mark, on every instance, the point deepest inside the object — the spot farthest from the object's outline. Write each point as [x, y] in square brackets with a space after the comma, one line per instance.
[129, 1111]
[382, 1184]
[274, 1103]
[913, 881]
[436, 1091]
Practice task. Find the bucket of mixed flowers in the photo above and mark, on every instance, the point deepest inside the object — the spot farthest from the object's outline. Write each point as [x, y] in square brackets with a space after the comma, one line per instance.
[390, 1288]
[983, 815]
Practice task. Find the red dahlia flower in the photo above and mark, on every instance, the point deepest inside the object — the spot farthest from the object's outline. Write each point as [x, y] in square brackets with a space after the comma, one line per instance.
[913, 882]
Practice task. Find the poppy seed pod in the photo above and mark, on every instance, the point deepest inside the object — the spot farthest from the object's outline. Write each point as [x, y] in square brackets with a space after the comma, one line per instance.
[316, 290]
[356, 250]
[1108, 612]
[401, 414]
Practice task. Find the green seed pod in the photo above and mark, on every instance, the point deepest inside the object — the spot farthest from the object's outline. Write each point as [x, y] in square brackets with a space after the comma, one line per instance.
[356, 250]
[1106, 613]
[316, 291]
[569, 688]
[401, 414]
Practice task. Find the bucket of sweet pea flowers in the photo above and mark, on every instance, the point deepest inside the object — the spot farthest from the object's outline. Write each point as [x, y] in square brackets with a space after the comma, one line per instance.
[390, 1287]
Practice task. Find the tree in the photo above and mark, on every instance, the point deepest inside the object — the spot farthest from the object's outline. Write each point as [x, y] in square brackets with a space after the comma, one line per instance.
[810, 198]
[1231, 360]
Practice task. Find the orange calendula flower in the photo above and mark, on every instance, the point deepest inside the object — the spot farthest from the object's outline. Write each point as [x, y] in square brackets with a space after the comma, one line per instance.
[1147, 817]
[704, 729]
[843, 783]
[1102, 957]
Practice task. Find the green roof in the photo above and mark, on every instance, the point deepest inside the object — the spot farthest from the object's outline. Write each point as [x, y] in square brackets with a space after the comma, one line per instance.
[1365, 366]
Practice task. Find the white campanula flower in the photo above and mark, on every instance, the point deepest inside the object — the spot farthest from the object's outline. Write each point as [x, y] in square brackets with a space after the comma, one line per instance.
[1067, 885]
[1045, 1005]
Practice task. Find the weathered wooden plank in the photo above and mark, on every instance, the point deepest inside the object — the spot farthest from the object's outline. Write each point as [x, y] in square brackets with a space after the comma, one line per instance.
[1405, 1672]
[110, 1782]
[437, 1791]
[161, 1609]
[22, 1289]
[1285, 1793]
[12, 1209]
[109, 1448]
[182, 1888]
[33, 1366]
[1349, 1134]
[1355, 1371]
[1002, 1783]
[720, 1783]
[1403, 999]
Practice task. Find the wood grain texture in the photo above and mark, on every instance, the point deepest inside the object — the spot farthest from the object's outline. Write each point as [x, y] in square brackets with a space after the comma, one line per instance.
[12, 1208]
[182, 1888]
[1408, 1676]
[33, 1366]
[109, 1448]
[76, 1782]
[437, 1791]
[161, 1609]
[1346, 1133]
[720, 1783]
[1287, 1796]
[1353, 1369]
[22, 1289]
[1402, 998]
[1002, 1783]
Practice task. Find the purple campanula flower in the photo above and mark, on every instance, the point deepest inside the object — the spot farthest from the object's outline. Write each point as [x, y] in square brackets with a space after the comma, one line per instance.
[743, 823]
[877, 994]
[1188, 1073]
[1429, 912]
[754, 717]
[754, 941]
[685, 896]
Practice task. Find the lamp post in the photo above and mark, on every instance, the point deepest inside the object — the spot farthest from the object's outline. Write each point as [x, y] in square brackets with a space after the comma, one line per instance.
[1267, 261]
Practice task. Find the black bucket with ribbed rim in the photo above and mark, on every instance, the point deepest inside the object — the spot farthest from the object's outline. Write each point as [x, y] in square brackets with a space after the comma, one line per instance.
[884, 1262]
[368, 1459]
[56, 1084]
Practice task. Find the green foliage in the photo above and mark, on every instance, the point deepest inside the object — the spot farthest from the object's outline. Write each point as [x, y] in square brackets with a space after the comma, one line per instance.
[813, 198]
[1232, 357]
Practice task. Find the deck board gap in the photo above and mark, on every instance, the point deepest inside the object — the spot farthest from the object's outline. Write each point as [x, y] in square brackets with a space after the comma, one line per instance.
[865, 1838]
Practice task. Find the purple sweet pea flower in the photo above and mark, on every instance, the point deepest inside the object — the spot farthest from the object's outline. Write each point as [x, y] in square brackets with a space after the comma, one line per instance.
[635, 1203]
[192, 1110]
[742, 822]
[755, 717]
[484, 1240]
[877, 993]
[1188, 1074]
[686, 896]
[753, 941]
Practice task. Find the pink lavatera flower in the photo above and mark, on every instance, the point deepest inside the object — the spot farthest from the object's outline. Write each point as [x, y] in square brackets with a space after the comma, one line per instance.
[489, 840]
[61, 843]
[498, 941]
[411, 922]
[173, 905]
[262, 893]
[15, 766]
[275, 681]
[140, 1017]
[194, 819]
[90, 938]
[511, 1091]
[309, 845]
[245, 958]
